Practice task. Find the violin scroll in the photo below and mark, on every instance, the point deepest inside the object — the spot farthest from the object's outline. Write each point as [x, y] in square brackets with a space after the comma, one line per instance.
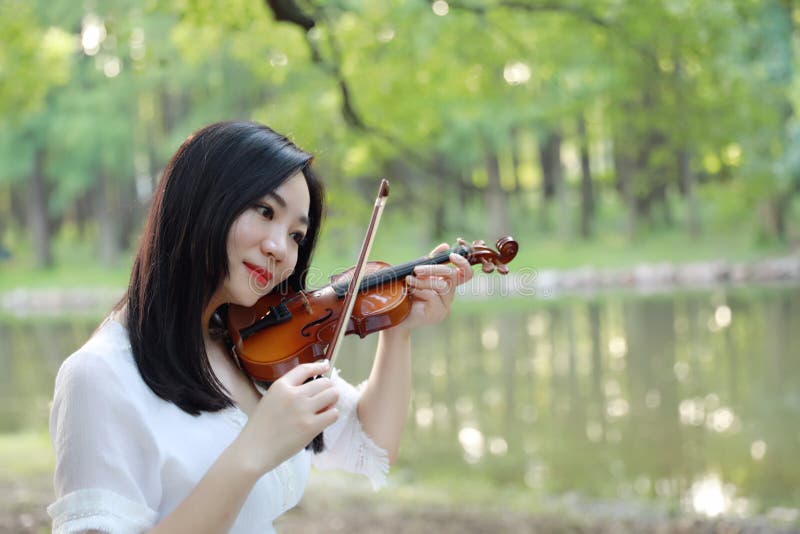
[478, 252]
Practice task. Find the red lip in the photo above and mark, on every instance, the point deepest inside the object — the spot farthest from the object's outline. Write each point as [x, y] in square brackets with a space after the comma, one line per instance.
[262, 275]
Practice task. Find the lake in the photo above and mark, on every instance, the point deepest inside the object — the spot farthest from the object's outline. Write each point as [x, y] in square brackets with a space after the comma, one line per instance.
[687, 401]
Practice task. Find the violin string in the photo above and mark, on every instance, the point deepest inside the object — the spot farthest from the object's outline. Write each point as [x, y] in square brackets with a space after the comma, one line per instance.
[396, 272]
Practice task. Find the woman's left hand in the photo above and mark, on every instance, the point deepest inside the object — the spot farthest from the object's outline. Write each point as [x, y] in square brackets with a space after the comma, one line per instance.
[432, 289]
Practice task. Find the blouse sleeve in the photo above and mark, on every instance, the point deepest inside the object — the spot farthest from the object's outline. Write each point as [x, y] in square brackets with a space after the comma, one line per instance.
[347, 446]
[104, 478]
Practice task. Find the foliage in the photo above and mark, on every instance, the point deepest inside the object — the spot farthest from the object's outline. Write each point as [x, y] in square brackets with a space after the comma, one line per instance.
[429, 95]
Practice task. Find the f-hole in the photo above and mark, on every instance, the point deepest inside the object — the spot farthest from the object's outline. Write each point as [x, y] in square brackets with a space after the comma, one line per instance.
[304, 333]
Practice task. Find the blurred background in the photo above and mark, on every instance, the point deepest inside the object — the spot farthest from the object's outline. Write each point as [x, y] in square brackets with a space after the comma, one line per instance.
[638, 369]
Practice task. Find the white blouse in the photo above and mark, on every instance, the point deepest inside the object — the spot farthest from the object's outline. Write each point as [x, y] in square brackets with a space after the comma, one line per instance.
[125, 458]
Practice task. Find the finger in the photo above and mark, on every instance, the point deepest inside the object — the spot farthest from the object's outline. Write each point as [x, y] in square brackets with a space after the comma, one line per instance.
[463, 266]
[434, 270]
[326, 418]
[441, 247]
[304, 371]
[315, 386]
[324, 399]
[425, 295]
[439, 285]
[434, 302]
[460, 261]
[450, 276]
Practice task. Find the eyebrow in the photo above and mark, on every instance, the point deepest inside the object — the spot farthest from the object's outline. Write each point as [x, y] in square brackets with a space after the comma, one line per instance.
[282, 203]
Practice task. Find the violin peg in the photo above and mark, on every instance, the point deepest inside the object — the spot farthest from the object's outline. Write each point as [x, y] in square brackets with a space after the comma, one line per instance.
[502, 269]
[487, 266]
[462, 243]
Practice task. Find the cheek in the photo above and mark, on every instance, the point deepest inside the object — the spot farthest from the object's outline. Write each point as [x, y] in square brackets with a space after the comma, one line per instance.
[295, 255]
[231, 250]
[241, 233]
[289, 265]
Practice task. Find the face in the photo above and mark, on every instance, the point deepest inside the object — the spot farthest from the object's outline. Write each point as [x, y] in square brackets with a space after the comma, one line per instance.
[264, 241]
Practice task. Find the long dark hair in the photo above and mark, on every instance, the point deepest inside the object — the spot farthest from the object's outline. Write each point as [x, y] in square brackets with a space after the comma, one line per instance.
[218, 172]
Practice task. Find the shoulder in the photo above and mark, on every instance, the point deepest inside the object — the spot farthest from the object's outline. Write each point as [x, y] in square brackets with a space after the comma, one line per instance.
[98, 390]
[102, 365]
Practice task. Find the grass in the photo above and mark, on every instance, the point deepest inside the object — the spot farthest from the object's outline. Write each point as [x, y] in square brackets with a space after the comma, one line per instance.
[75, 265]
[26, 454]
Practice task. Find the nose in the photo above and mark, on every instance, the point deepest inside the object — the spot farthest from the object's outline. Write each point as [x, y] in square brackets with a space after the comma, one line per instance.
[274, 246]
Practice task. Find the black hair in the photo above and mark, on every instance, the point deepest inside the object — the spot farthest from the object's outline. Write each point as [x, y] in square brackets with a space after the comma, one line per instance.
[218, 173]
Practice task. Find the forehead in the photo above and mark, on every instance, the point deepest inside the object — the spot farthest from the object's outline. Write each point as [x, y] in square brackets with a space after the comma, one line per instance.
[293, 195]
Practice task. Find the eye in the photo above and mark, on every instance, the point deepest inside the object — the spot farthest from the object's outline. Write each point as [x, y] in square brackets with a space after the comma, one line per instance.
[265, 211]
[299, 238]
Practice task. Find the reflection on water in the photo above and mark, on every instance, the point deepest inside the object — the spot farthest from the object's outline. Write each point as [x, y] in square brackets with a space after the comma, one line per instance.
[690, 400]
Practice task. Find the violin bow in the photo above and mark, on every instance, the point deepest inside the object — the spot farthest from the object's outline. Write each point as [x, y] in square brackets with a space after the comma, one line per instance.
[358, 274]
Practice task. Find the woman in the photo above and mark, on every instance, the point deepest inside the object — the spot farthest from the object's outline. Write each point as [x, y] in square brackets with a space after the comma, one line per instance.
[155, 426]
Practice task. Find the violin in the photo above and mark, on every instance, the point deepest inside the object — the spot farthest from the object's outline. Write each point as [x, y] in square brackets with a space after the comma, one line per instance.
[283, 330]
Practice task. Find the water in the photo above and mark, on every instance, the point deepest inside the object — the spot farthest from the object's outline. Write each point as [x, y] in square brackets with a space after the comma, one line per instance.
[689, 401]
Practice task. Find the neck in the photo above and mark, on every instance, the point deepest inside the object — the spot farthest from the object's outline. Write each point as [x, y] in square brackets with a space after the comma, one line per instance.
[120, 315]
[398, 272]
[208, 312]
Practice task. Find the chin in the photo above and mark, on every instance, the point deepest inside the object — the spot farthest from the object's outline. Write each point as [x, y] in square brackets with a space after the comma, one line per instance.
[245, 296]
[245, 301]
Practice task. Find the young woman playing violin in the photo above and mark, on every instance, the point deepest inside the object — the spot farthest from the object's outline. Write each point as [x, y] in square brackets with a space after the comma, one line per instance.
[155, 426]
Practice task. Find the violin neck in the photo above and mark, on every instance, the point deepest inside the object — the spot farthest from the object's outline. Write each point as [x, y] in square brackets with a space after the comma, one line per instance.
[400, 271]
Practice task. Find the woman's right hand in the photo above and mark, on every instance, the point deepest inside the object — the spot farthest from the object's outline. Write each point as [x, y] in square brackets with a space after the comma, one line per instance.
[287, 417]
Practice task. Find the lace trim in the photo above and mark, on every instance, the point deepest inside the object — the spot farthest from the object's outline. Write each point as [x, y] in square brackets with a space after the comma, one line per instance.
[97, 509]
[363, 455]
[371, 460]
[379, 458]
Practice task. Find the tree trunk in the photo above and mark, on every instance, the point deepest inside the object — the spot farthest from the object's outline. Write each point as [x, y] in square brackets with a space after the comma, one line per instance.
[550, 161]
[587, 192]
[649, 182]
[19, 205]
[440, 199]
[781, 212]
[37, 216]
[659, 194]
[130, 213]
[106, 206]
[465, 189]
[686, 179]
[515, 160]
[496, 199]
[687, 186]
[778, 48]
[624, 168]
[552, 173]
[83, 213]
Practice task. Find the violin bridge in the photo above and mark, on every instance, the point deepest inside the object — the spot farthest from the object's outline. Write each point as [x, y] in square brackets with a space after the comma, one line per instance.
[306, 303]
